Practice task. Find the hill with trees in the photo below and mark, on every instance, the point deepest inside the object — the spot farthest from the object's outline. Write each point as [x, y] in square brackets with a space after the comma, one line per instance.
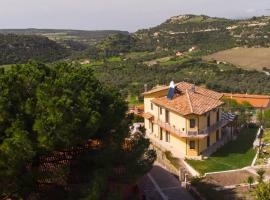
[77, 40]
[208, 34]
[17, 49]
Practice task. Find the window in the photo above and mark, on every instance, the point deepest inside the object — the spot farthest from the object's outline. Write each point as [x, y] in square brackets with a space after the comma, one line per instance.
[208, 141]
[217, 135]
[192, 144]
[152, 127]
[160, 111]
[152, 106]
[208, 120]
[167, 136]
[217, 115]
[167, 117]
[192, 123]
[160, 134]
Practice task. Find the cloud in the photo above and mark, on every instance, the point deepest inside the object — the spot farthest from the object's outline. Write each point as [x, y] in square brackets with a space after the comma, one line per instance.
[250, 10]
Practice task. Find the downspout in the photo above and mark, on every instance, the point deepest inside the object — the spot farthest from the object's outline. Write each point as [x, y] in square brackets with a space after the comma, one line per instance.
[198, 146]
[186, 146]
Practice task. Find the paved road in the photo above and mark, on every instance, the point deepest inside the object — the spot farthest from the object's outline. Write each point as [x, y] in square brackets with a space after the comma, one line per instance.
[159, 184]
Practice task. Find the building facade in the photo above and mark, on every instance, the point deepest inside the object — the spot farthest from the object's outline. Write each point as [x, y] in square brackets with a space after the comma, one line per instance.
[185, 119]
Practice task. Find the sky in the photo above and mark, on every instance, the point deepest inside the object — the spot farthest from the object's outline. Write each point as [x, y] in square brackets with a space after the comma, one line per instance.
[129, 15]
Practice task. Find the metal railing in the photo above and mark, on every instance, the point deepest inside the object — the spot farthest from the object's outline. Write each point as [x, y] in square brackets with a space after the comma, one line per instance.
[202, 132]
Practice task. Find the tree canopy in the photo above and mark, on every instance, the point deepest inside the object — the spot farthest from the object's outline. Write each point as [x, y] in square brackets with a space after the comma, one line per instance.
[45, 109]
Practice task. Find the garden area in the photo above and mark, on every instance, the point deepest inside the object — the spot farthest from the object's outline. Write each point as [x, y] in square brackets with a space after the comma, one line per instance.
[264, 155]
[234, 155]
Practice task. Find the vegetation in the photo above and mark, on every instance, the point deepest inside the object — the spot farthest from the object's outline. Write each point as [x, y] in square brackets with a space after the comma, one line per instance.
[17, 49]
[262, 191]
[130, 76]
[174, 161]
[261, 173]
[244, 110]
[250, 181]
[234, 155]
[63, 110]
[264, 118]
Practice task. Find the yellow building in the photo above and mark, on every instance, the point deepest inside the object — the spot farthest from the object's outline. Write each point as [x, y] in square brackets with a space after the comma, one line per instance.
[186, 120]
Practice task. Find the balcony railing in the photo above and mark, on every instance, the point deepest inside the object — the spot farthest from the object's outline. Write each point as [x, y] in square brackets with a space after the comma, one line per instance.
[202, 132]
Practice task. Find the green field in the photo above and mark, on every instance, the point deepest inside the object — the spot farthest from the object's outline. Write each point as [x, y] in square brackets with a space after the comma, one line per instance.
[234, 155]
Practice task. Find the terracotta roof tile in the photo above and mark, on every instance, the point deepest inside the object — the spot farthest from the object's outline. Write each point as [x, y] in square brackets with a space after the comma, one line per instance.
[187, 102]
[258, 101]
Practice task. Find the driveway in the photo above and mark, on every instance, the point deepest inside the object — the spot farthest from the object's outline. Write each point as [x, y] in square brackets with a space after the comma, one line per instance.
[159, 184]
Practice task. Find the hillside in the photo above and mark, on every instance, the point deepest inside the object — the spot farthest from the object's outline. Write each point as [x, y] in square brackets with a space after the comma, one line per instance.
[17, 49]
[77, 40]
[209, 34]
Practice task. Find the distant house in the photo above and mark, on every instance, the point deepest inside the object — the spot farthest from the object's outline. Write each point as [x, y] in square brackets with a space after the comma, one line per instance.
[192, 49]
[257, 101]
[85, 62]
[179, 54]
[186, 120]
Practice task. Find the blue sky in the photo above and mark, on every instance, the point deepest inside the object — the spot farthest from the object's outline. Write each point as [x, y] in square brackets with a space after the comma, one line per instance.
[117, 14]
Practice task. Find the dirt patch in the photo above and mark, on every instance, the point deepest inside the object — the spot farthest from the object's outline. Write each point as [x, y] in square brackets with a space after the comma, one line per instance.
[247, 58]
[228, 178]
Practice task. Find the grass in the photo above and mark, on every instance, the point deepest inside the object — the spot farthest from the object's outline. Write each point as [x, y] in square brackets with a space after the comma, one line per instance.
[6, 67]
[234, 155]
[266, 136]
[180, 60]
[114, 59]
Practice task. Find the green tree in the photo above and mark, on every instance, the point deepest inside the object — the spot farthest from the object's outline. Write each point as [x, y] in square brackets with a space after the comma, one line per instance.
[264, 118]
[242, 109]
[250, 181]
[50, 108]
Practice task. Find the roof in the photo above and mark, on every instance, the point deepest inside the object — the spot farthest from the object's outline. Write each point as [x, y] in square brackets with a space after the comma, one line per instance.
[148, 115]
[257, 101]
[183, 86]
[188, 101]
[156, 89]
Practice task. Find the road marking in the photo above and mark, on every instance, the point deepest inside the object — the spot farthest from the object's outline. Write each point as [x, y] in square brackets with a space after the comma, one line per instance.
[164, 197]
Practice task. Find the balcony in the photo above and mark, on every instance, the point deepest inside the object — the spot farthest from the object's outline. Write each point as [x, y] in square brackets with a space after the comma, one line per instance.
[200, 133]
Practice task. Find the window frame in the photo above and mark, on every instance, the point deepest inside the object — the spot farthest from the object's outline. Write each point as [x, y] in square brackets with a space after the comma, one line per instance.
[192, 144]
[192, 123]
[160, 134]
[160, 110]
[209, 120]
[168, 136]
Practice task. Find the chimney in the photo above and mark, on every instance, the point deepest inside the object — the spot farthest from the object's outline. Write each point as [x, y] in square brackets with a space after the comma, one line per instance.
[145, 88]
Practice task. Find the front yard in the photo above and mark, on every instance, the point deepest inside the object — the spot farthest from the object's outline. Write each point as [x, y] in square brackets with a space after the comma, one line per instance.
[234, 155]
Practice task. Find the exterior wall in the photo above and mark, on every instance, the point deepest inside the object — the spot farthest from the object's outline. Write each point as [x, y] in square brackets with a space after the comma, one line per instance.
[180, 146]
[178, 121]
